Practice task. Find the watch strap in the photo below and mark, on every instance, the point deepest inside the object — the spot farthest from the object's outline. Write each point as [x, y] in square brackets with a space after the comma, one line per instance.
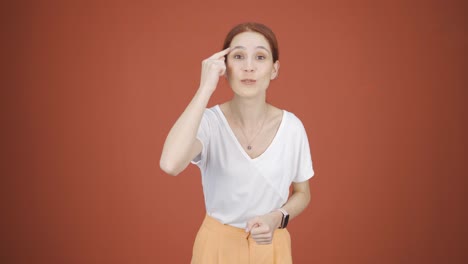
[284, 219]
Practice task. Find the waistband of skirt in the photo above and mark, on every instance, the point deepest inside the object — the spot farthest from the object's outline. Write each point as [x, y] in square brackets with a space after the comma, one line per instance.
[214, 225]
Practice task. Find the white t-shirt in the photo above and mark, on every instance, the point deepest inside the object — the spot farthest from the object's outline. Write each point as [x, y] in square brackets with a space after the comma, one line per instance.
[237, 187]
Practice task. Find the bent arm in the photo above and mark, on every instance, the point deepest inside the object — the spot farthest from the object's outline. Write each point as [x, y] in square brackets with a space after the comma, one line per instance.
[297, 202]
[263, 227]
[299, 199]
[181, 144]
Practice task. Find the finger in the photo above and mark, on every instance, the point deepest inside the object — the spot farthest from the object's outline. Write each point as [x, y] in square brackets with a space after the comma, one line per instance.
[220, 66]
[221, 54]
[214, 64]
[262, 241]
[262, 236]
[222, 71]
[251, 224]
[260, 229]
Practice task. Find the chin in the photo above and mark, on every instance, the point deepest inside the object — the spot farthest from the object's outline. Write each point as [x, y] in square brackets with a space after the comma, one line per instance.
[248, 92]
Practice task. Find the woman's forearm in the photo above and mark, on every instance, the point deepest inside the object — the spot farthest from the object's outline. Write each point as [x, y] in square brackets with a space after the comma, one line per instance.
[179, 145]
[299, 199]
[296, 203]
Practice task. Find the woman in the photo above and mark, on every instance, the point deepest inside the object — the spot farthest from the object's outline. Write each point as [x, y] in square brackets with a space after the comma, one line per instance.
[249, 153]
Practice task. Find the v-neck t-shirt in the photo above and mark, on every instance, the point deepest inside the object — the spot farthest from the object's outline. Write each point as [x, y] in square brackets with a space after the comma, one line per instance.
[237, 187]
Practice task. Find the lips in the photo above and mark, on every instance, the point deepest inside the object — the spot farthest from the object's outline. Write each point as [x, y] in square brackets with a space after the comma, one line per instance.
[248, 81]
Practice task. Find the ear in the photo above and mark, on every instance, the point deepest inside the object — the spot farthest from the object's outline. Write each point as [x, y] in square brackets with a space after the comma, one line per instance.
[275, 71]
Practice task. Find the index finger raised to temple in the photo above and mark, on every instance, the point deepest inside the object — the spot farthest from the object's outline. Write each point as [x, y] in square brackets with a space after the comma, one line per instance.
[221, 54]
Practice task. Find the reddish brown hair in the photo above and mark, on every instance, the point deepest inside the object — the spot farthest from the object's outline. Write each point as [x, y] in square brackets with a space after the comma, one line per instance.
[254, 27]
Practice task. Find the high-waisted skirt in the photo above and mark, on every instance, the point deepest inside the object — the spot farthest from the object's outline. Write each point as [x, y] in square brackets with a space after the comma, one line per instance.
[217, 243]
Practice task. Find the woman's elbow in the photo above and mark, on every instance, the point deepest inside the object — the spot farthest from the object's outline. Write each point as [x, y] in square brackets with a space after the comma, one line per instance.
[169, 167]
[307, 199]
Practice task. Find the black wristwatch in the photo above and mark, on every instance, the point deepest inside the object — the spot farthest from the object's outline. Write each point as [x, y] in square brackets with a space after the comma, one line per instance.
[285, 219]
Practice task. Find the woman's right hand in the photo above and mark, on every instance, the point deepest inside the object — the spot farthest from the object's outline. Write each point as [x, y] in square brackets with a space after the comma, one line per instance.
[212, 68]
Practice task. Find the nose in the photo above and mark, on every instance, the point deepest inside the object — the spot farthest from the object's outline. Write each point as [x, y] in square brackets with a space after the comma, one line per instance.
[249, 65]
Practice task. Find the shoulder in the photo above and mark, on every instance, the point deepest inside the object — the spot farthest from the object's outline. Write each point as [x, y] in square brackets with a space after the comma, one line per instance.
[292, 121]
[210, 119]
[276, 115]
[211, 113]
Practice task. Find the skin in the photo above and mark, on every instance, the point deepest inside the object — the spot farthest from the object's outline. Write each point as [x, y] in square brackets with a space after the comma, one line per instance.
[250, 117]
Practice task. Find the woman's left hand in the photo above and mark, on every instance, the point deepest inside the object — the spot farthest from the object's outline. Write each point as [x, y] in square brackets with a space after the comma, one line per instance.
[262, 227]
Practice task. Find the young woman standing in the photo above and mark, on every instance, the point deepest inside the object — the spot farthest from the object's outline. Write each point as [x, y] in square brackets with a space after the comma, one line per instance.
[249, 153]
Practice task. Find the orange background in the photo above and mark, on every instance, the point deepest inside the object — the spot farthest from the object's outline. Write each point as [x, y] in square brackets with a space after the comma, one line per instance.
[94, 87]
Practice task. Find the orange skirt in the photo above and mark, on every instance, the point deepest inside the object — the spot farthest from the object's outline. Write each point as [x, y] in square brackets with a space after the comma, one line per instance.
[217, 243]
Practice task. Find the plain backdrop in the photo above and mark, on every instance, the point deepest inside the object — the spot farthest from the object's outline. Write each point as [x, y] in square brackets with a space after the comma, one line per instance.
[93, 87]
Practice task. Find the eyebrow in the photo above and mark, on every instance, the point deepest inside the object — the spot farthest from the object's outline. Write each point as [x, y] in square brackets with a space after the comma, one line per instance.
[244, 48]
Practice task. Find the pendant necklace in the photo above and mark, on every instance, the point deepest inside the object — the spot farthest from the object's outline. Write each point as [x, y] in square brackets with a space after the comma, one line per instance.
[249, 142]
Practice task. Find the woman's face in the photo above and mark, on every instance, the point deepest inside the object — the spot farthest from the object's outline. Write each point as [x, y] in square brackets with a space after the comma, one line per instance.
[250, 64]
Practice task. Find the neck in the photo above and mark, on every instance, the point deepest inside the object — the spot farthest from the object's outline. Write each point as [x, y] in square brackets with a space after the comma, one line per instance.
[249, 111]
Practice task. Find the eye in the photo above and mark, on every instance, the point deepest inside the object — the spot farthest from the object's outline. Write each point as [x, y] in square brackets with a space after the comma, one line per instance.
[237, 57]
[261, 57]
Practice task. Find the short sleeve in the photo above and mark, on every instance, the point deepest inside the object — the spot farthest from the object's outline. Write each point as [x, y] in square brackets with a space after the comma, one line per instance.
[305, 169]
[203, 135]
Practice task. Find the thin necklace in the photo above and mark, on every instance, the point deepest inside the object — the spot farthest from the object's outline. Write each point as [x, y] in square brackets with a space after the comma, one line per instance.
[249, 145]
